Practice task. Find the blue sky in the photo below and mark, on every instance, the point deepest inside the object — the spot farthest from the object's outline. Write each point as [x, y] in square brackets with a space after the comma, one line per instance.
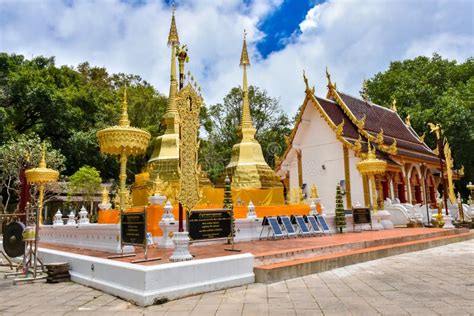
[354, 39]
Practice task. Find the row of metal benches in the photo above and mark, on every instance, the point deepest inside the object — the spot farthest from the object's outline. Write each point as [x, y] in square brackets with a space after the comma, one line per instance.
[292, 226]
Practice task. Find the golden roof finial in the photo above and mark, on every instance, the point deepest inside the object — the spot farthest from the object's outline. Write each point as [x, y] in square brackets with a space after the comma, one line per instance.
[244, 57]
[422, 137]
[42, 163]
[407, 120]
[124, 116]
[305, 80]
[328, 76]
[394, 105]
[173, 38]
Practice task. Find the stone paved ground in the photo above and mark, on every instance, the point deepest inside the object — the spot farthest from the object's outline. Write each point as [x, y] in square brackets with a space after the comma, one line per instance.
[435, 281]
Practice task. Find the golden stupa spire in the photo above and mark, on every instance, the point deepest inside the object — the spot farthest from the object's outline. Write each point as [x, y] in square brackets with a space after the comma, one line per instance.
[171, 110]
[173, 38]
[124, 116]
[246, 125]
[42, 163]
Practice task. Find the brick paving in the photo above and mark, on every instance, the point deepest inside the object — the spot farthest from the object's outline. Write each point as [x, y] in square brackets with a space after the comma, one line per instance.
[260, 248]
[437, 281]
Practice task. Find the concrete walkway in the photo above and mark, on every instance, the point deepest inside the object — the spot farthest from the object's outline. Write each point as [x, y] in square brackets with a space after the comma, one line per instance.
[430, 282]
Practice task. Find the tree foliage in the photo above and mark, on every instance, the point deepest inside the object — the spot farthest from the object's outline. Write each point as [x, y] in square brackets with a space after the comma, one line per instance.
[223, 121]
[24, 152]
[433, 90]
[86, 182]
[68, 105]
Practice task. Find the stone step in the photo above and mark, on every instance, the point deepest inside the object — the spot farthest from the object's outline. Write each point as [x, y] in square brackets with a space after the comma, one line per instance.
[328, 245]
[293, 268]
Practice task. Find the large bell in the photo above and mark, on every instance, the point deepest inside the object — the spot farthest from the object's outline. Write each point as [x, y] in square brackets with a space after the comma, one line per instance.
[13, 243]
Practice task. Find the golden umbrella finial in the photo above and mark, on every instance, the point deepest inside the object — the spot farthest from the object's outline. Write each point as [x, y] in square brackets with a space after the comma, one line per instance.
[124, 121]
[372, 166]
[124, 141]
[41, 176]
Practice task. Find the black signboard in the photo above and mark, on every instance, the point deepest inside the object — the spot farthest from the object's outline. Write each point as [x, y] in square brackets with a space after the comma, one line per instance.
[134, 228]
[361, 215]
[209, 224]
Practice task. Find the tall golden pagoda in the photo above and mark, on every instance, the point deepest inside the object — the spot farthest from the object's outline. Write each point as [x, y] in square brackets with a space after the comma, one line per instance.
[164, 160]
[247, 166]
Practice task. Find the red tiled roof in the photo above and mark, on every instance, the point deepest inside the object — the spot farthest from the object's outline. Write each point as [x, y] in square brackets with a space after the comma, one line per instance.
[337, 115]
[378, 117]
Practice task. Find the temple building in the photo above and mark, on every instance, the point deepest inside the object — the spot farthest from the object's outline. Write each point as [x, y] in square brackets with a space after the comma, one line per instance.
[330, 137]
[247, 167]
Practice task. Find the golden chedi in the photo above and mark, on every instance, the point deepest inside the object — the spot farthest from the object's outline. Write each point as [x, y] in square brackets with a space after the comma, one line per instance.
[165, 157]
[247, 167]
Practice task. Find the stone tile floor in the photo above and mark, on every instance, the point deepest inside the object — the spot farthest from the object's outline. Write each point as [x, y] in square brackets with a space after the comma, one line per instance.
[437, 281]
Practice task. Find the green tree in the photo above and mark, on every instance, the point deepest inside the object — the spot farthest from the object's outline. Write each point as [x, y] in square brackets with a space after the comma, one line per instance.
[433, 90]
[25, 152]
[68, 105]
[340, 214]
[222, 122]
[86, 182]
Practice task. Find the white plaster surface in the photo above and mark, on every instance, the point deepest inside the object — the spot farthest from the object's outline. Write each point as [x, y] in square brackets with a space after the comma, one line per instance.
[102, 237]
[144, 284]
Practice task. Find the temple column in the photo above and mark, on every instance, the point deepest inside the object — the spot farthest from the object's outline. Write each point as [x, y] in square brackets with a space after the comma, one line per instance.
[365, 184]
[347, 178]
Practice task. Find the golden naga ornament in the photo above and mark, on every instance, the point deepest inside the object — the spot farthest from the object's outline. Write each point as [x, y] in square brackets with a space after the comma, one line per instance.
[340, 129]
[358, 145]
[394, 105]
[407, 120]
[379, 137]
[361, 123]
[435, 128]
[422, 137]
[449, 171]
[189, 105]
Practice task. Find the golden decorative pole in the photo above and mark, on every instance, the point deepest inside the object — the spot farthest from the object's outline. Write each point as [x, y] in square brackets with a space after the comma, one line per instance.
[370, 167]
[40, 176]
[123, 140]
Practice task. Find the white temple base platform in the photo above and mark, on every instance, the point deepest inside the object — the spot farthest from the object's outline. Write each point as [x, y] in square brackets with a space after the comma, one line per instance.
[103, 237]
[147, 285]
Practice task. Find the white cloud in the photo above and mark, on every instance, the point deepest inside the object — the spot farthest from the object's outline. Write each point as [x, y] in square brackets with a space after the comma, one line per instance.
[355, 39]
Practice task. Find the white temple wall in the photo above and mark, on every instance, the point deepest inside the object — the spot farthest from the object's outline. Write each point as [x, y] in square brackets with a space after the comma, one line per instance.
[357, 187]
[322, 157]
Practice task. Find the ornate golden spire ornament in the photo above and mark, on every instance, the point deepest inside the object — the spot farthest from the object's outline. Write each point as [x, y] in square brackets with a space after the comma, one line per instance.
[247, 167]
[124, 121]
[173, 38]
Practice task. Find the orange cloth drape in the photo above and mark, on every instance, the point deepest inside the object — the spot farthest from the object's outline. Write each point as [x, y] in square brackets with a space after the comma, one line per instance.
[155, 212]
